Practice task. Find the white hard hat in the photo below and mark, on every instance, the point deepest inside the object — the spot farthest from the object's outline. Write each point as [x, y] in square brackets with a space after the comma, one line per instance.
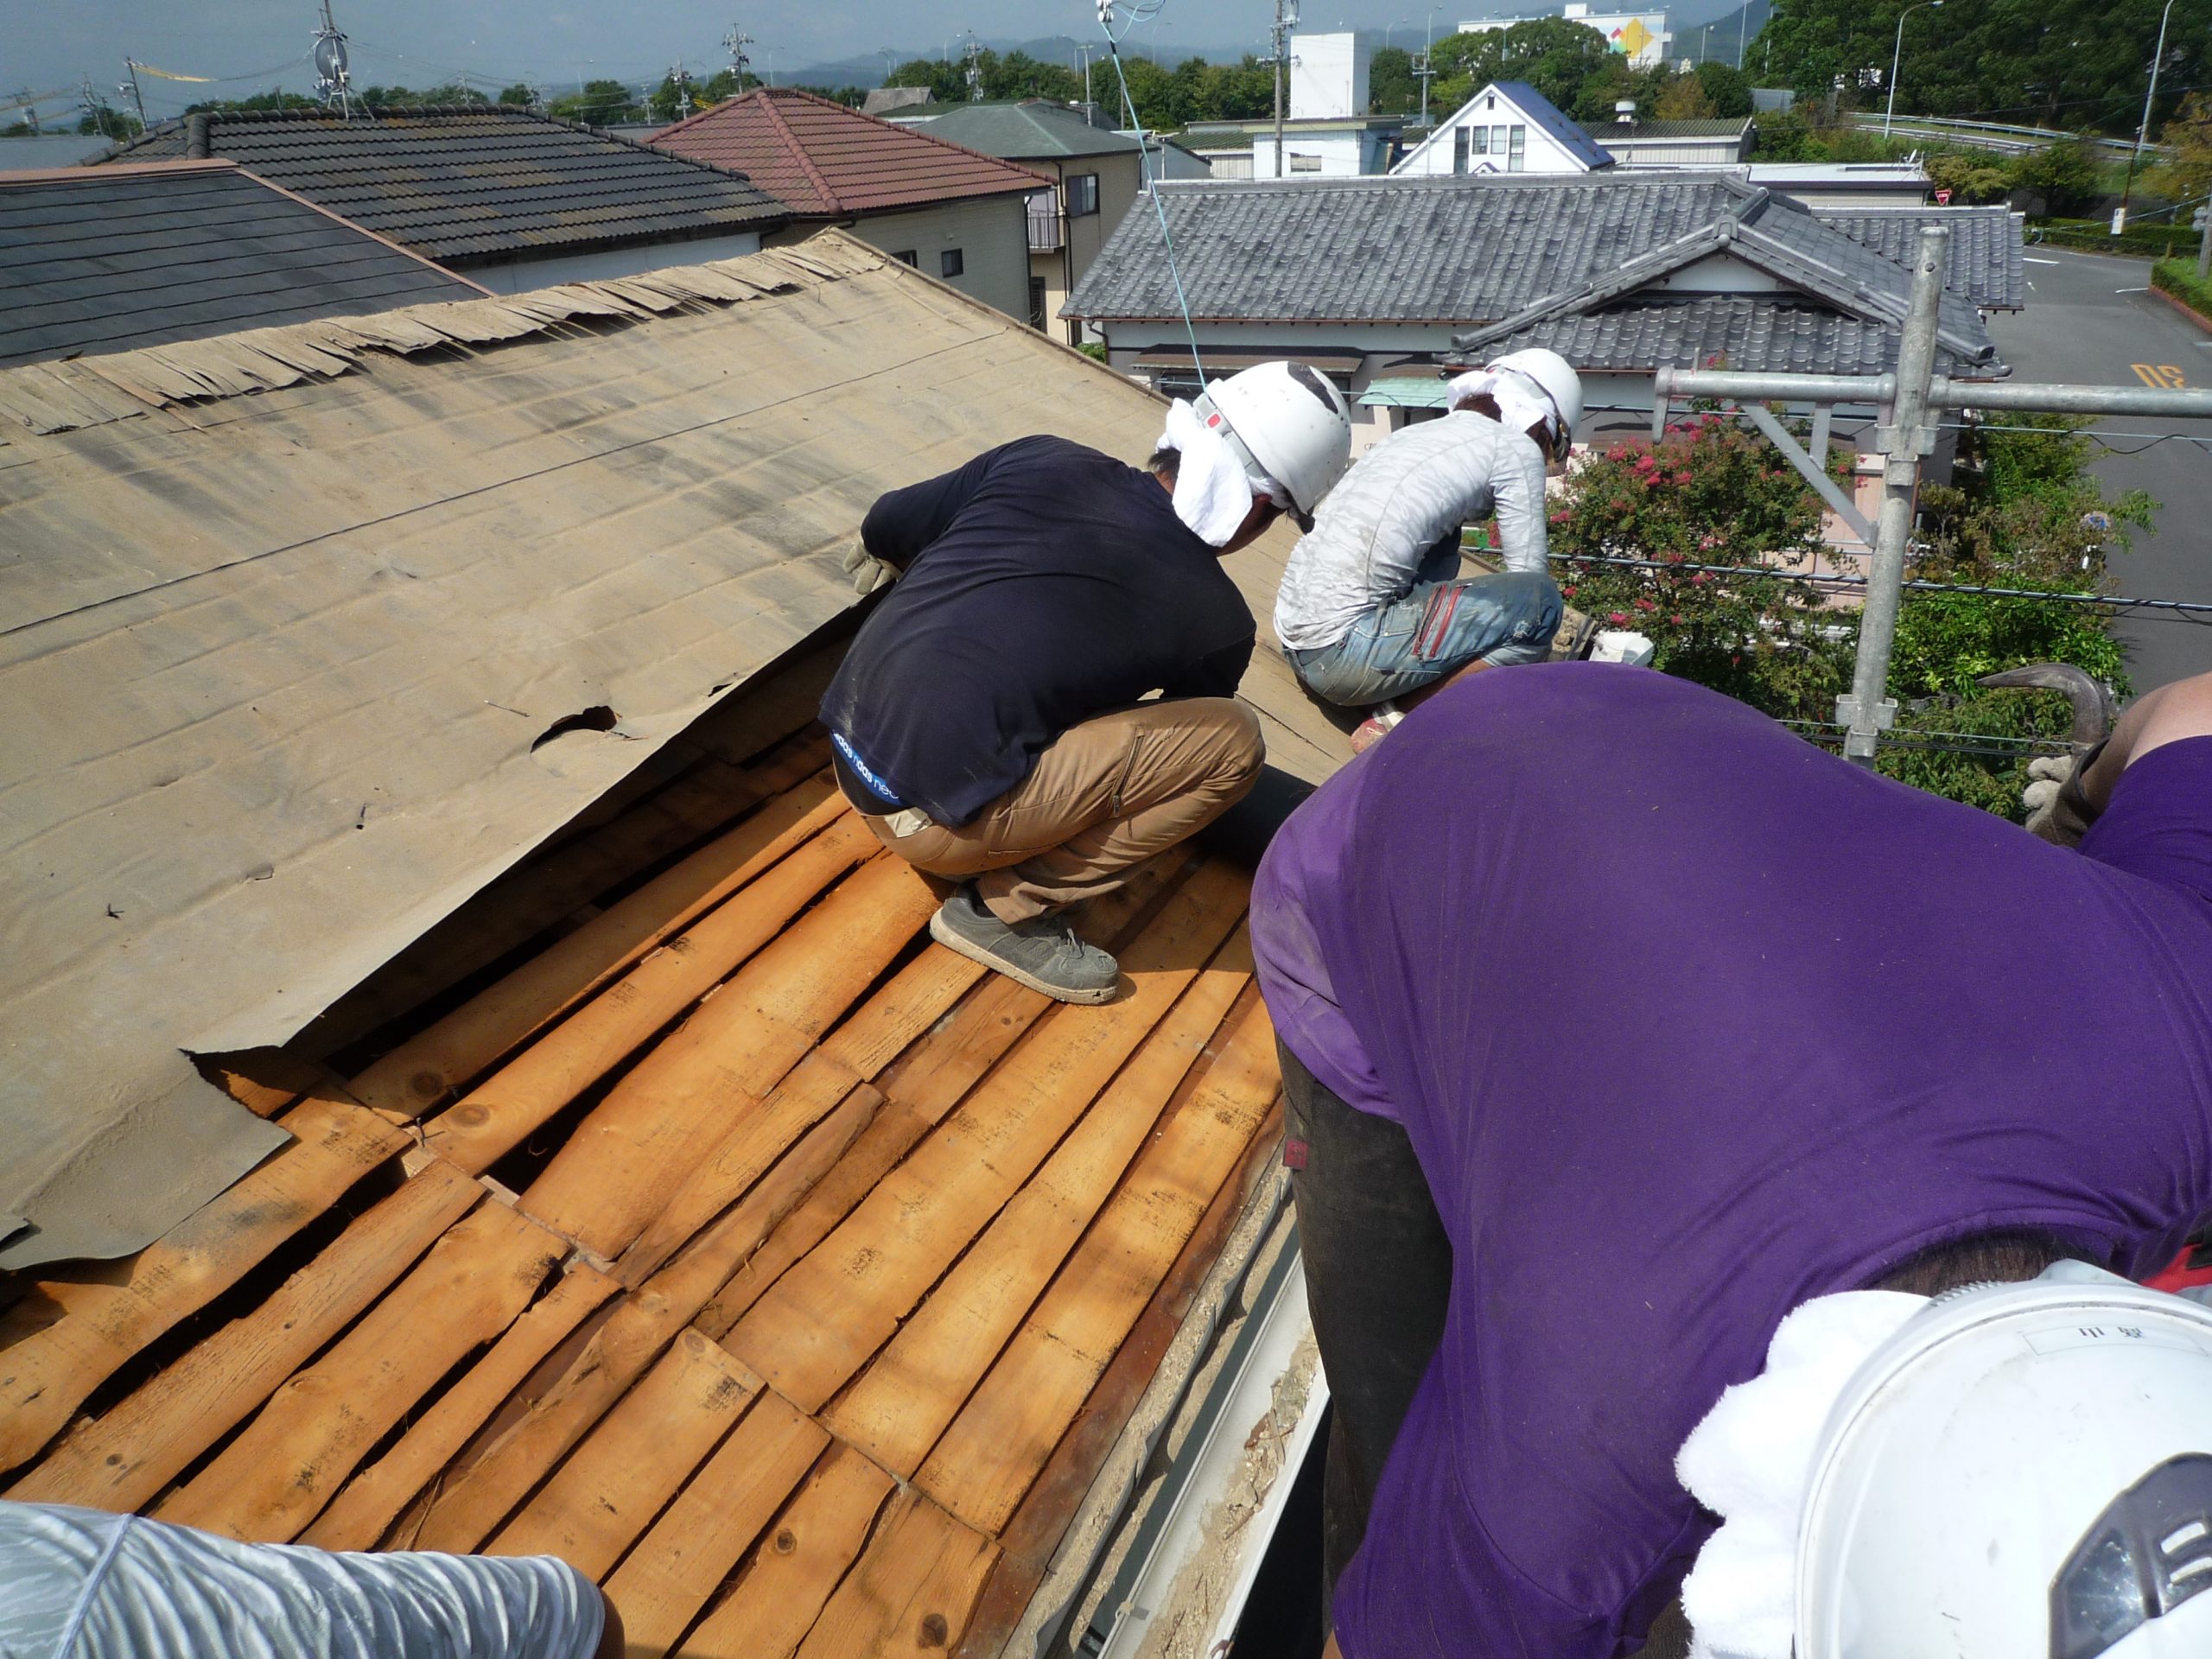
[2022, 1472]
[1560, 384]
[1290, 421]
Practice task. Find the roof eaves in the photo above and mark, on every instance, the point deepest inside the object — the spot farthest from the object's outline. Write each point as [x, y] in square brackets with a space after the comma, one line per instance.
[1622, 280]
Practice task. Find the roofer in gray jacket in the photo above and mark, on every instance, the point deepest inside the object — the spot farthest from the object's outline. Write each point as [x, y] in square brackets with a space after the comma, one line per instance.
[1372, 609]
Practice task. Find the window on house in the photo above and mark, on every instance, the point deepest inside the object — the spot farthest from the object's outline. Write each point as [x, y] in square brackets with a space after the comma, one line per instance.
[1459, 150]
[1497, 141]
[950, 263]
[1082, 194]
[1305, 163]
[1478, 140]
[1037, 303]
[910, 257]
[1516, 157]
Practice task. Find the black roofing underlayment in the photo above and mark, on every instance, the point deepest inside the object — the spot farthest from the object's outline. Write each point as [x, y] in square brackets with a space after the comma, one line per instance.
[111, 262]
[477, 184]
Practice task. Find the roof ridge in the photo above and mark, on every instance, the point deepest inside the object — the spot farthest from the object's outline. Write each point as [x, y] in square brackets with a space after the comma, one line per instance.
[830, 199]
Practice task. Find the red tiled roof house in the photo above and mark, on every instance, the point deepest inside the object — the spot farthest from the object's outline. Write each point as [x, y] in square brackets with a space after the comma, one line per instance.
[953, 213]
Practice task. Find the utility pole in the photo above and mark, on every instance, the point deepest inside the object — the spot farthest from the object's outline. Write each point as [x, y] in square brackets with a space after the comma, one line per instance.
[96, 107]
[1868, 711]
[1424, 67]
[2204, 242]
[975, 70]
[130, 86]
[735, 43]
[2135, 155]
[1285, 20]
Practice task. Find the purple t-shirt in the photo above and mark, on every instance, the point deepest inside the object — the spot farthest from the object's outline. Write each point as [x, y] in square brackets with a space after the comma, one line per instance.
[1687, 1022]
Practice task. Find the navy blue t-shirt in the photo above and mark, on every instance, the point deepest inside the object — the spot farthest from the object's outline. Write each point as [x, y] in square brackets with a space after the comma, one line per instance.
[1045, 584]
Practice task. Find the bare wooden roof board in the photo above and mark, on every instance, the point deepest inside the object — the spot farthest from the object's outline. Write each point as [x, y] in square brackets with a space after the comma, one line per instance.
[819, 1378]
[110, 258]
[284, 665]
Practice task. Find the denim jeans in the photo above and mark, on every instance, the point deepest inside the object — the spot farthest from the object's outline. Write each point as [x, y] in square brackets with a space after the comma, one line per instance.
[1437, 629]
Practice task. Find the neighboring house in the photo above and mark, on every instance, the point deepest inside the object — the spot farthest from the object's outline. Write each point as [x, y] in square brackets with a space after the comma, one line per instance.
[1095, 175]
[1378, 283]
[516, 199]
[1845, 184]
[1675, 143]
[108, 259]
[955, 213]
[1508, 127]
[1315, 147]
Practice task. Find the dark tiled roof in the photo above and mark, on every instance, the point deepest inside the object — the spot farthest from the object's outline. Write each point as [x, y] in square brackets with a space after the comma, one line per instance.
[1504, 252]
[482, 183]
[1986, 263]
[820, 157]
[1024, 131]
[1381, 250]
[93, 261]
[1604, 130]
[1543, 113]
[1736, 332]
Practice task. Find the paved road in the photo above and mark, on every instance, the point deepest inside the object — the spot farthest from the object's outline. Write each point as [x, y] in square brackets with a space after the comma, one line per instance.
[2081, 325]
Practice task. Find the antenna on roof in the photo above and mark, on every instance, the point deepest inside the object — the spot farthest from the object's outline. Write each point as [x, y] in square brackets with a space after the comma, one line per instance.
[334, 81]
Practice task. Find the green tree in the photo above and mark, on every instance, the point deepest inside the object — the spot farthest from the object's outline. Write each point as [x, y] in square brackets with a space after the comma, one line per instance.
[1729, 89]
[1970, 176]
[947, 81]
[2056, 63]
[602, 103]
[520, 93]
[2188, 175]
[1684, 98]
[1391, 87]
[2067, 175]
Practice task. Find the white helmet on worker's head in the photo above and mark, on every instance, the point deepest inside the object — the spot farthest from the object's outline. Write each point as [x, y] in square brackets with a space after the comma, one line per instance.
[1555, 377]
[1292, 424]
[2021, 1472]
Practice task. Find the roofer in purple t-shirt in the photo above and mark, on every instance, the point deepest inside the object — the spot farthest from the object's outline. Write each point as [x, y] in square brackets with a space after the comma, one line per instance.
[1646, 1069]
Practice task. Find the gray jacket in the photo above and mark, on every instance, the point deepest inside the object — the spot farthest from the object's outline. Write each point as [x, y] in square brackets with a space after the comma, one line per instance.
[1403, 496]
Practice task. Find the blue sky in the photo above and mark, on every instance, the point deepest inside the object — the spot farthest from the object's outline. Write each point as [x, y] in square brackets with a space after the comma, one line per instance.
[51, 43]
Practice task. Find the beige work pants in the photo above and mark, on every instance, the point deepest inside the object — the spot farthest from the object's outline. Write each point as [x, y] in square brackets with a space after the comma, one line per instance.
[1103, 798]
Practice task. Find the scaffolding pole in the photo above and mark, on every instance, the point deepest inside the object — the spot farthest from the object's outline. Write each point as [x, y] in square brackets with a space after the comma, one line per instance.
[1907, 400]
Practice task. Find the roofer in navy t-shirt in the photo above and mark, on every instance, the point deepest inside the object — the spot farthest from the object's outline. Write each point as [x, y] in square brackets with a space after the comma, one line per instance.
[1619, 1024]
[989, 721]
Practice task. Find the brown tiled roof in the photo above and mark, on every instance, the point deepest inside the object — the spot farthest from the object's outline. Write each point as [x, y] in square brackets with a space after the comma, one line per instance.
[821, 157]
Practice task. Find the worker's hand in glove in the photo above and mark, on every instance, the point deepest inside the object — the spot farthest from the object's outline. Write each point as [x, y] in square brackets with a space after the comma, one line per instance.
[868, 573]
[2057, 809]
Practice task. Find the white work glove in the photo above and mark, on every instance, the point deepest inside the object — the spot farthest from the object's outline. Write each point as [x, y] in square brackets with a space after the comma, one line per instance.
[2057, 810]
[868, 573]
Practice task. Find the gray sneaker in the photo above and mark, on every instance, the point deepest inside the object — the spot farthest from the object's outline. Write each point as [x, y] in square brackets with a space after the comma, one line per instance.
[1042, 954]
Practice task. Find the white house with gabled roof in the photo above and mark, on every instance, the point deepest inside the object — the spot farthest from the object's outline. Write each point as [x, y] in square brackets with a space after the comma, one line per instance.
[1508, 127]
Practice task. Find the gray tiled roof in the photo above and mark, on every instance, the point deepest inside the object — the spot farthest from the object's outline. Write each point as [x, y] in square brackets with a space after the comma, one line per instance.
[1987, 257]
[1604, 131]
[1027, 131]
[1736, 332]
[480, 183]
[1383, 250]
[1498, 253]
[94, 261]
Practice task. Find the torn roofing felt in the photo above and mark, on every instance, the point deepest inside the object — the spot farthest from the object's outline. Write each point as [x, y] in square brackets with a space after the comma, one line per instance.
[280, 666]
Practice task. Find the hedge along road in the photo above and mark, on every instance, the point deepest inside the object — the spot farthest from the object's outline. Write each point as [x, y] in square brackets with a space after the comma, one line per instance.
[2090, 320]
